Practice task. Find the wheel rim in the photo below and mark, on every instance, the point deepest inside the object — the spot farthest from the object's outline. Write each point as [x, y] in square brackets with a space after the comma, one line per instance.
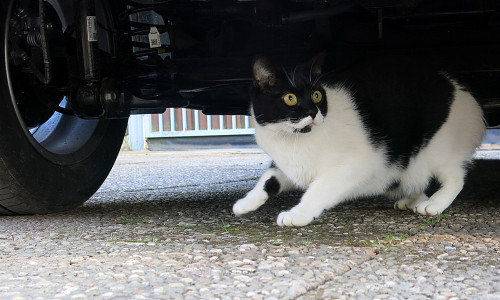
[61, 138]
[63, 134]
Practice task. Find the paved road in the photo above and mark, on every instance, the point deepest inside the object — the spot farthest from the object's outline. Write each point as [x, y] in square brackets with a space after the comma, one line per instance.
[161, 227]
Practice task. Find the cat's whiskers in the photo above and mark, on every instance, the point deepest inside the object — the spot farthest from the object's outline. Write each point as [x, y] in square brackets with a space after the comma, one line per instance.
[286, 74]
[293, 77]
[256, 117]
[279, 133]
[310, 74]
[311, 69]
[290, 79]
[319, 78]
[295, 143]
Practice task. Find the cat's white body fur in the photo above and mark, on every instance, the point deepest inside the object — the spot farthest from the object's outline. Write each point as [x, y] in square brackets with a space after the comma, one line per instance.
[336, 160]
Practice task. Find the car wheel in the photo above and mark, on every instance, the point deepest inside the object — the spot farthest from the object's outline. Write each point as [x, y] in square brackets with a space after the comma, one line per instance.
[49, 161]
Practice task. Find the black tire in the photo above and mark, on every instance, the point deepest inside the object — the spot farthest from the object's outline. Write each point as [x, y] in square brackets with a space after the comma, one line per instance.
[59, 165]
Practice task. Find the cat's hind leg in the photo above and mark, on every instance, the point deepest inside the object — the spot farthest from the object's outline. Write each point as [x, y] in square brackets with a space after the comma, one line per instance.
[452, 182]
[272, 182]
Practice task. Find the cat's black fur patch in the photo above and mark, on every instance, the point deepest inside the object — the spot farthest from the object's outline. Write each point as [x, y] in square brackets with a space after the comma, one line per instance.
[393, 186]
[304, 130]
[272, 186]
[434, 186]
[402, 103]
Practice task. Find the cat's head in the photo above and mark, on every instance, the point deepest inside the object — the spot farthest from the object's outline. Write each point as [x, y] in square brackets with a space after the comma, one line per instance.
[289, 99]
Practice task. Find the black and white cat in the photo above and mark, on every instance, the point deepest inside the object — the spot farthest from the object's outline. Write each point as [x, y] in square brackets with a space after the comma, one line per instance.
[386, 127]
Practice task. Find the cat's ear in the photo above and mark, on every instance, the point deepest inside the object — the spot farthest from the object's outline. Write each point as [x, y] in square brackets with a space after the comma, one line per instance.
[317, 62]
[264, 74]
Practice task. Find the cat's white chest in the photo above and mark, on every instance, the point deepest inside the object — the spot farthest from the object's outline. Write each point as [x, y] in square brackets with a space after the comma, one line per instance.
[297, 158]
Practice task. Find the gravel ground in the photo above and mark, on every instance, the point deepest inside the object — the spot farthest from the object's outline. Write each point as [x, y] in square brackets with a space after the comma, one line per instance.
[161, 227]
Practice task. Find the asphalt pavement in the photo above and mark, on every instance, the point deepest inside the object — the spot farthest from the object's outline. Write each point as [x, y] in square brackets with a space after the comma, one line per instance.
[161, 227]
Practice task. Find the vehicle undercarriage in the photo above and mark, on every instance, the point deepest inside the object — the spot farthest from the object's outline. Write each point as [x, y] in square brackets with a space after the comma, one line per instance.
[206, 47]
[74, 71]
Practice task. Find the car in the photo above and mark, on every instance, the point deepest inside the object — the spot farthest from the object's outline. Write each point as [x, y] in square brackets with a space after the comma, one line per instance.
[72, 72]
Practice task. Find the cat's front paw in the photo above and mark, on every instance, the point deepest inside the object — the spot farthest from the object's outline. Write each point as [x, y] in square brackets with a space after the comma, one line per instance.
[291, 218]
[428, 208]
[251, 202]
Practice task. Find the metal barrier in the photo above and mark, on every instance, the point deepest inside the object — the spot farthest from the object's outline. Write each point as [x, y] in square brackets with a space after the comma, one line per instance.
[182, 122]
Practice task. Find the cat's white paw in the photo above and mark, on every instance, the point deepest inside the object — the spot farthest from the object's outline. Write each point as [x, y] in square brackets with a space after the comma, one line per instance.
[410, 203]
[404, 203]
[429, 208]
[291, 218]
[251, 202]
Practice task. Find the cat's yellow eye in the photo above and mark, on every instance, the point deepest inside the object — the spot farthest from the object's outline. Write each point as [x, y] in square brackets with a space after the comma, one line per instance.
[290, 99]
[317, 96]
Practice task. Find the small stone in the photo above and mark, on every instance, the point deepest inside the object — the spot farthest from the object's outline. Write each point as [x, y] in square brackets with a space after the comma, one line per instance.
[390, 283]
[470, 290]
[118, 287]
[281, 273]
[447, 293]
[265, 266]
[243, 278]
[441, 256]
[309, 274]
[108, 295]
[134, 277]
[247, 247]
[119, 276]
[236, 263]
[297, 287]
[421, 279]
[176, 285]
[187, 280]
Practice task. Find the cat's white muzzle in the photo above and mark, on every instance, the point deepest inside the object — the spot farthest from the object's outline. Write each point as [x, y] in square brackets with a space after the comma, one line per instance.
[306, 124]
